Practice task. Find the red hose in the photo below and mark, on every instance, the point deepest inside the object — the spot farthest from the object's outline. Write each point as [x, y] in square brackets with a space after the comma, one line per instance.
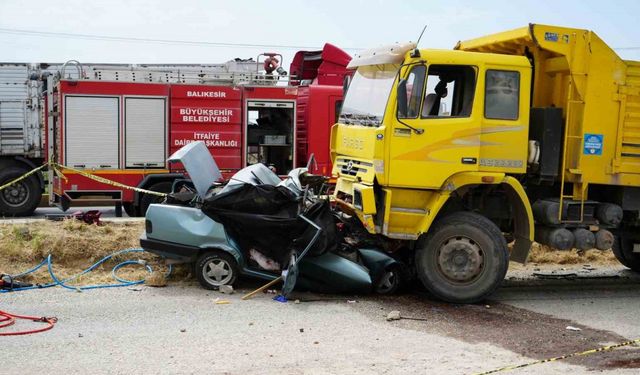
[7, 319]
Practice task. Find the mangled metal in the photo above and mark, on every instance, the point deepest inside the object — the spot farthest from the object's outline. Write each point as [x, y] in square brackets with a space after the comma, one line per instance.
[262, 226]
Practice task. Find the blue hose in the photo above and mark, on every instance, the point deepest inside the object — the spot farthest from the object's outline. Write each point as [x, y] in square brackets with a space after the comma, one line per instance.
[63, 283]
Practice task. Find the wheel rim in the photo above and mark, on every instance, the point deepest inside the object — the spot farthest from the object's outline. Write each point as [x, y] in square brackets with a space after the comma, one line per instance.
[15, 195]
[388, 282]
[217, 272]
[460, 260]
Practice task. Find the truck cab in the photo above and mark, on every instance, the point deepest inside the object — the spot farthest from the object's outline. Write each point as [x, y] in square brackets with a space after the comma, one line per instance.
[519, 135]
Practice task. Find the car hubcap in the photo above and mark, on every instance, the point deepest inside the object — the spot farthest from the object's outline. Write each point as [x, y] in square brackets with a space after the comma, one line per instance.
[388, 282]
[460, 259]
[15, 195]
[217, 272]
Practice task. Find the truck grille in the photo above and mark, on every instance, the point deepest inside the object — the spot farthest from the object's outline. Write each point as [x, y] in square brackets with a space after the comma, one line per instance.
[351, 167]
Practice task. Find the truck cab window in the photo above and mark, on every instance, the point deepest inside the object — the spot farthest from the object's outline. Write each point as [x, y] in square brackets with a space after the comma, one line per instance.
[502, 91]
[415, 84]
[449, 92]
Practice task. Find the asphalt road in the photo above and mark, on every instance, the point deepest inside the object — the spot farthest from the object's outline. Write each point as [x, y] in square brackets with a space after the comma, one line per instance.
[180, 329]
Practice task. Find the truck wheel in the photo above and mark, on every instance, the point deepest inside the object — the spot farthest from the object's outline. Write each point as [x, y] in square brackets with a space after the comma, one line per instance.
[214, 269]
[21, 198]
[130, 209]
[147, 199]
[463, 258]
[623, 249]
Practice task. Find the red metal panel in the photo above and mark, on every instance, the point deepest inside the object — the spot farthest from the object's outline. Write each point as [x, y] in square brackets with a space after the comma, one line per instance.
[211, 114]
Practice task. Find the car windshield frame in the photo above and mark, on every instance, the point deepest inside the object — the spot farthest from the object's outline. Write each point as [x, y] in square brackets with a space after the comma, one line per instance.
[366, 99]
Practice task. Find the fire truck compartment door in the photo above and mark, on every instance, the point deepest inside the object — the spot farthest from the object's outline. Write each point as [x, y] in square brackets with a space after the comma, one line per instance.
[145, 124]
[91, 131]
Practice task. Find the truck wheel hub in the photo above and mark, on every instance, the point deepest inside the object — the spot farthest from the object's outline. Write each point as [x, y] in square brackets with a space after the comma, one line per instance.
[460, 259]
[15, 195]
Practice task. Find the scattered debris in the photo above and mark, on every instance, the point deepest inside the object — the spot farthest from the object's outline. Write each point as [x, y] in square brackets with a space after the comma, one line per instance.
[183, 330]
[296, 301]
[219, 301]
[226, 289]
[393, 315]
[572, 328]
[301, 330]
[271, 291]
[80, 335]
[280, 298]
[135, 289]
[352, 301]
[156, 279]
[487, 306]
[555, 275]
[250, 323]
[316, 342]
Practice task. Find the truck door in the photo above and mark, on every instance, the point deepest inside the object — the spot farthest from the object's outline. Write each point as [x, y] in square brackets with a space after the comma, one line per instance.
[439, 103]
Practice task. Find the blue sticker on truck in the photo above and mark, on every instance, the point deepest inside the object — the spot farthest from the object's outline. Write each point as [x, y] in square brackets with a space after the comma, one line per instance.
[551, 37]
[593, 144]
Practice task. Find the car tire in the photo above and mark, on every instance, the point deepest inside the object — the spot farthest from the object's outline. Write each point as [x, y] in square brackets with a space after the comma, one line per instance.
[147, 199]
[21, 198]
[214, 269]
[391, 281]
[463, 258]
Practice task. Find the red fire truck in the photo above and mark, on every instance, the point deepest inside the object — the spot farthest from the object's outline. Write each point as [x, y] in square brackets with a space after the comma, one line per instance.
[122, 124]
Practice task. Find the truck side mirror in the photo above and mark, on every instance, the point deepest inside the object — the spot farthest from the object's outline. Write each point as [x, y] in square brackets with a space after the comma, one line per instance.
[401, 95]
[346, 81]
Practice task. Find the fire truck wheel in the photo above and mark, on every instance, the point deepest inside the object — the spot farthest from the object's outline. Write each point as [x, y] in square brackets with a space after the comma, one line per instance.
[463, 258]
[147, 199]
[21, 198]
[130, 209]
[623, 249]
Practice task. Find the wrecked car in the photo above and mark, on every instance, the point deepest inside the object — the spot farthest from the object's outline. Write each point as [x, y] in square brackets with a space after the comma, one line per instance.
[260, 225]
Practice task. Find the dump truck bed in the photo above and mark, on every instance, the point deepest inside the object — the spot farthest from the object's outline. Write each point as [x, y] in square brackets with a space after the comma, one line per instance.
[599, 94]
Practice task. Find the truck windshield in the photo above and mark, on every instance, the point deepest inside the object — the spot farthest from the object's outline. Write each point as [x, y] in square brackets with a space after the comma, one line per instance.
[368, 94]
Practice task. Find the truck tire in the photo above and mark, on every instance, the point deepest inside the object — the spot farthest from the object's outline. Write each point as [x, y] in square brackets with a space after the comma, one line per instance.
[147, 199]
[21, 198]
[623, 249]
[463, 258]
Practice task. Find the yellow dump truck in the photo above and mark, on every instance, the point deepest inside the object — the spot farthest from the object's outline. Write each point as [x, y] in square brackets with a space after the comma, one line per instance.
[529, 134]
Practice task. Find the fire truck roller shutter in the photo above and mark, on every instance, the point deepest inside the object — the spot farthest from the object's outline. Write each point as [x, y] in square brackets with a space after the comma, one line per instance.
[145, 132]
[91, 131]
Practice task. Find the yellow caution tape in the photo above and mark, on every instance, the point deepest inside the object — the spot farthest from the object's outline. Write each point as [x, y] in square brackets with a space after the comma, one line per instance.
[22, 177]
[55, 167]
[107, 181]
[586, 352]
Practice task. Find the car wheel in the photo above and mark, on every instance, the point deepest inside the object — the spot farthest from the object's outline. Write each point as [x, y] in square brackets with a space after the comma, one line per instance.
[390, 282]
[463, 258]
[148, 199]
[20, 198]
[216, 269]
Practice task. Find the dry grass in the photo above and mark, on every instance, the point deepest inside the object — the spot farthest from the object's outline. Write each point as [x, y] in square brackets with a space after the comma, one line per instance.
[74, 246]
[545, 255]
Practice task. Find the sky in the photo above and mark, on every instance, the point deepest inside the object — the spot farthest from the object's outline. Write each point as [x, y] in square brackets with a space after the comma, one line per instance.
[280, 26]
